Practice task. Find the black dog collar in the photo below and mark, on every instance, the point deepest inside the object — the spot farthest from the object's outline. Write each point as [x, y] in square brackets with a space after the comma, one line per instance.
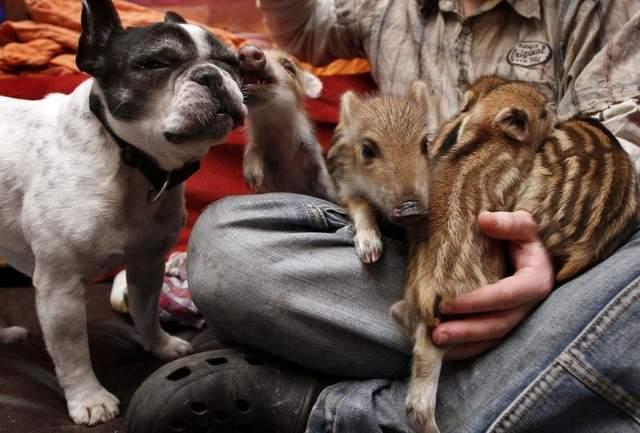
[160, 180]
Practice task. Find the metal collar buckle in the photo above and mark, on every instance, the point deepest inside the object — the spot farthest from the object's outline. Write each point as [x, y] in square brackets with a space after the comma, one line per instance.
[154, 198]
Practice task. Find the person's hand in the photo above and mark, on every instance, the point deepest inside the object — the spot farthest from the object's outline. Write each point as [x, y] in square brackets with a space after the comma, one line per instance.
[481, 318]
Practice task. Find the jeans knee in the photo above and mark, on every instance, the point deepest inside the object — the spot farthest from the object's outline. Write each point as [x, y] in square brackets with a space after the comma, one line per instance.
[218, 261]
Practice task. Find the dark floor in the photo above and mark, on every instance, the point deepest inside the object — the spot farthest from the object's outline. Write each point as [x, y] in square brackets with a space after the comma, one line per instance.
[31, 400]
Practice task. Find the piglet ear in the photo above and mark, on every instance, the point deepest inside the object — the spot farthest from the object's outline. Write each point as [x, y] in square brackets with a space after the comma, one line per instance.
[174, 18]
[312, 85]
[514, 122]
[99, 22]
[468, 100]
[418, 92]
[349, 103]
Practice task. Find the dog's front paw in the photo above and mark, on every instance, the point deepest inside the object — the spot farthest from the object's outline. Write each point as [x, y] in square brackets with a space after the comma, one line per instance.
[421, 413]
[368, 245]
[171, 348]
[13, 334]
[94, 408]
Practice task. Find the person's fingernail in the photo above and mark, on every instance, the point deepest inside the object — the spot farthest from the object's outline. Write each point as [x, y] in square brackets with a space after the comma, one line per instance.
[441, 338]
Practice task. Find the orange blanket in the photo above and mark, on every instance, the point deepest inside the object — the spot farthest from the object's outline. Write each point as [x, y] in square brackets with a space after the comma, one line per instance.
[47, 44]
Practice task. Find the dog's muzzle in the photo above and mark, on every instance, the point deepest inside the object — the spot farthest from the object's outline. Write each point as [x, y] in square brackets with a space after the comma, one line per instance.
[209, 106]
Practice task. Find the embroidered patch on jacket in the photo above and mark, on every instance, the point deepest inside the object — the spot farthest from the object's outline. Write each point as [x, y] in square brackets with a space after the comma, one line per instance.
[529, 53]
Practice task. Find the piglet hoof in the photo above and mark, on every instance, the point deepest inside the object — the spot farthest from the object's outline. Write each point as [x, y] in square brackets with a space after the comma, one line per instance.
[368, 246]
[423, 421]
[13, 334]
[254, 179]
[171, 348]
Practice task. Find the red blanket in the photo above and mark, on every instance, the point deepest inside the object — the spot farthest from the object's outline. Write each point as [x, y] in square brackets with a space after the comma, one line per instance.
[221, 172]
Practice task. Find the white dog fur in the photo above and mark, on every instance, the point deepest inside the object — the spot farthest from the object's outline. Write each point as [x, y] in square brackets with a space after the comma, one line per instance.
[71, 209]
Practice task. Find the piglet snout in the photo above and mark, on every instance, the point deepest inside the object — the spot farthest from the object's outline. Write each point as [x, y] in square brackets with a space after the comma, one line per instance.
[251, 58]
[408, 211]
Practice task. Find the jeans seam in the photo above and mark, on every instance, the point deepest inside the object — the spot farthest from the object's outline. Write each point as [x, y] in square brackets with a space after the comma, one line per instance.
[574, 361]
[316, 215]
[334, 411]
[600, 385]
[534, 391]
[620, 303]
[527, 399]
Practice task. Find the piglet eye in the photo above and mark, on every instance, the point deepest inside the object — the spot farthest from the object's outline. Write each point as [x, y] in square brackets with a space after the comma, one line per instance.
[424, 145]
[289, 67]
[370, 150]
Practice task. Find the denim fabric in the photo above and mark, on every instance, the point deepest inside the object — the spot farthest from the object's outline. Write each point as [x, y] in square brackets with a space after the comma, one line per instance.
[279, 272]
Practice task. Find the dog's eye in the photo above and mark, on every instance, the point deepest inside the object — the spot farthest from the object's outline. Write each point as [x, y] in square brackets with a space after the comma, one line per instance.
[151, 64]
[370, 150]
[229, 64]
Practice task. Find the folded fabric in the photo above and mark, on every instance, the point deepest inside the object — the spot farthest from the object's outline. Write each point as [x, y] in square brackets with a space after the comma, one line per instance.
[32, 54]
[175, 304]
[23, 47]
[66, 13]
[59, 21]
[25, 31]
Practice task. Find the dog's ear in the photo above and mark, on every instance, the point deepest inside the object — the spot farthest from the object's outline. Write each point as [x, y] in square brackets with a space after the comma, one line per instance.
[99, 22]
[174, 18]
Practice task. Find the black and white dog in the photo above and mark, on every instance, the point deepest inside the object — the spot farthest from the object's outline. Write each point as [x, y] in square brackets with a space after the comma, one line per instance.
[93, 180]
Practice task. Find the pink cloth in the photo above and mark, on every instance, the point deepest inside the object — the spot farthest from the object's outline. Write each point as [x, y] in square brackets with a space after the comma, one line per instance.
[176, 304]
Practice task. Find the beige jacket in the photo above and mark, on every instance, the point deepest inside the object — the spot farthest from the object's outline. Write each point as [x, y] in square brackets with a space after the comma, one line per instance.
[585, 54]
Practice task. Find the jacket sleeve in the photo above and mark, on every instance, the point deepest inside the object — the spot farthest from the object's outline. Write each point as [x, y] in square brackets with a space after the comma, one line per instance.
[623, 120]
[600, 73]
[316, 31]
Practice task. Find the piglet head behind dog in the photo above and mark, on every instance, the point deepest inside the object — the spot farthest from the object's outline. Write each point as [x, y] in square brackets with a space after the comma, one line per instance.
[272, 77]
[380, 152]
[170, 88]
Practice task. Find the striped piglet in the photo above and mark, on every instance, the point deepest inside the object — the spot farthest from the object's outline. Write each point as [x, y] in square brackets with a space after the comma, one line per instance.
[504, 152]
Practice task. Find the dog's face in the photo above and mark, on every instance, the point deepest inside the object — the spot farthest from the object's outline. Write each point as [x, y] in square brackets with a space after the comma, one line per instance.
[170, 88]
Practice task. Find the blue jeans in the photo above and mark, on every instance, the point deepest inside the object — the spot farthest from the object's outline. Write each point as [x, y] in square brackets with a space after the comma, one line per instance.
[278, 272]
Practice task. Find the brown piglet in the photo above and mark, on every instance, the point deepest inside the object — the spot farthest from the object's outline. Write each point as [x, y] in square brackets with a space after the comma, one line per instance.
[379, 162]
[282, 152]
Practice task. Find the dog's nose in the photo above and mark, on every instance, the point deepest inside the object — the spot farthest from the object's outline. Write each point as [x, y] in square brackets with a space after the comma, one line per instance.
[408, 211]
[251, 58]
[207, 76]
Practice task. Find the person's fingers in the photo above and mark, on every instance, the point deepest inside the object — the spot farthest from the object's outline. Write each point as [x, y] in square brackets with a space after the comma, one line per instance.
[510, 226]
[479, 327]
[531, 254]
[470, 350]
[524, 287]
